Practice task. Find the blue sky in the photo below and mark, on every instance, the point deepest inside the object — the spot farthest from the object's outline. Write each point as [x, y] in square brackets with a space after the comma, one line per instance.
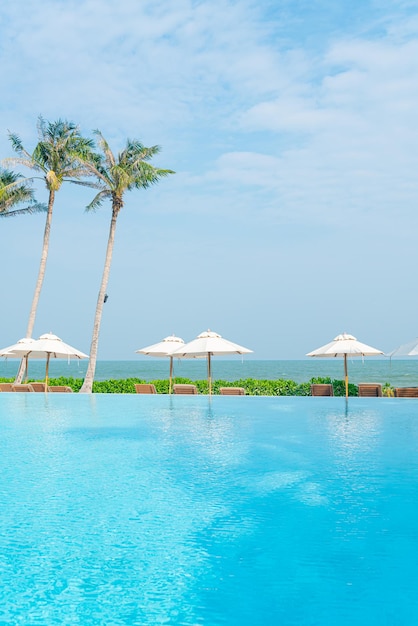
[292, 128]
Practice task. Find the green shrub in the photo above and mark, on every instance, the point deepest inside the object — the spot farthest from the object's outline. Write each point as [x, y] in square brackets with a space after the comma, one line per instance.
[337, 385]
[74, 383]
[252, 386]
[388, 391]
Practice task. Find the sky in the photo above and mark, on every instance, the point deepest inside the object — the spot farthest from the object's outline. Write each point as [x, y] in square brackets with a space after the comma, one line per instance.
[292, 127]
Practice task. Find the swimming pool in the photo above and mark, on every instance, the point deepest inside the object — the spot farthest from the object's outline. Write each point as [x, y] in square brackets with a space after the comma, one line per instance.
[237, 511]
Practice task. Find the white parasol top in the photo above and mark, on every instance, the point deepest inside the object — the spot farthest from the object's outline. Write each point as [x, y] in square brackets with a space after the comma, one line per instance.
[47, 344]
[344, 344]
[210, 342]
[166, 347]
[406, 349]
[19, 349]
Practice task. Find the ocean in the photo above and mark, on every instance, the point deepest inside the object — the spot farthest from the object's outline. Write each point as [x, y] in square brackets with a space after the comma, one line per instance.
[402, 373]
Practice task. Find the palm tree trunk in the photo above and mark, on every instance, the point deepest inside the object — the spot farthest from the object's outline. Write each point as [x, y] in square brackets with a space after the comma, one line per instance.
[40, 280]
[87, 386]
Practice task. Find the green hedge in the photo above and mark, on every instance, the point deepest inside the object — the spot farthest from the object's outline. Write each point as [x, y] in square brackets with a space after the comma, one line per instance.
[252, 386]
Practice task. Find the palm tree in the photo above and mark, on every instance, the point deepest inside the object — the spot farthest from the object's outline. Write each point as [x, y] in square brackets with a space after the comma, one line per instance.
[15, 191]
[116, 175]
[57, 158]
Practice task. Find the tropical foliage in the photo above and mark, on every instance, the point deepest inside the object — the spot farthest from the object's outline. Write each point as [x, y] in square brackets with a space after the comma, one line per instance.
[61, 155]
[15, 191]
[58, 157]
[115, 175]
[252, 386]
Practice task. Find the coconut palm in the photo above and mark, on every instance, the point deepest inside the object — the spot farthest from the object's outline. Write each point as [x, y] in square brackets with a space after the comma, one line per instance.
[15, 191]
[115, 176]
[57, 159]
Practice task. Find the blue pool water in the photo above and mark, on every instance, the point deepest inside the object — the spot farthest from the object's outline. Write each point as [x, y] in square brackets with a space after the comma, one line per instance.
[237, 511]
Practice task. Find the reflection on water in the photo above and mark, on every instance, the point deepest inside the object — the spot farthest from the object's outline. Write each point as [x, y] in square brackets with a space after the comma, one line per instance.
[197, 510]
[355, 432]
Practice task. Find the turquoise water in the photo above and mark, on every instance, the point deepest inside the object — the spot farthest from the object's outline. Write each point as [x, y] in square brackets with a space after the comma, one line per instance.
[237, 511]
[402, 373]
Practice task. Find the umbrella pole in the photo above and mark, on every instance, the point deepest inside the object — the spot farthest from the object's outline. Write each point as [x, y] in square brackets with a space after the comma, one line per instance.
[346, 375]
[171, 375]
[46, 371]
[26, 368]
[209, 374]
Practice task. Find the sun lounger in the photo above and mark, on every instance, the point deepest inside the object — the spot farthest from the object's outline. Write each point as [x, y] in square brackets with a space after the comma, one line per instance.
[322, 389]
[38, 386]
[185, 389]
[145, 388]
[406, 392]
[370, 390]
[60, 389]
[232, 391]
[22, 388]
[6, 386]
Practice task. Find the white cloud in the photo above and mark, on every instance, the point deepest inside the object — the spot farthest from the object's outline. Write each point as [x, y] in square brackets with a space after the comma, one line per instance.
[355, 128]
[276, 139]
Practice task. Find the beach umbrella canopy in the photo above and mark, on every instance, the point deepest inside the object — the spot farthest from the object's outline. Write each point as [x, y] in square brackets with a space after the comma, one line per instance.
[164, 348]
[46, 347]
[208, 344]
[20, 350]
[342, 346]
[406, 349]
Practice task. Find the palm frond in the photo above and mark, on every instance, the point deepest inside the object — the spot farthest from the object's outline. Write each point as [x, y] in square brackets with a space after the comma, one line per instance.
[61, 149]
[15, 190]
[140, 159]
[55, 132]
[32, 208]
[137, 151]
[130, 170]
[17, 145]
[9, 179]
[146, 175]
[82, 145]
[105, 148]
[43, 156]
[98, 200]
[121, 177]
[27, 162]
[77, 171]
[83, 183]
[41, 126]
[93, 166]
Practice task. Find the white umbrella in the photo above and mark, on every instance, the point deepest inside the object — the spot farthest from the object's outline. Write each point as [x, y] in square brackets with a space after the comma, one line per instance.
[18, 350]
[406, 349]
[46, 347]
[342, 346]
[23, 346]
[208, 344]
[164, 348]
